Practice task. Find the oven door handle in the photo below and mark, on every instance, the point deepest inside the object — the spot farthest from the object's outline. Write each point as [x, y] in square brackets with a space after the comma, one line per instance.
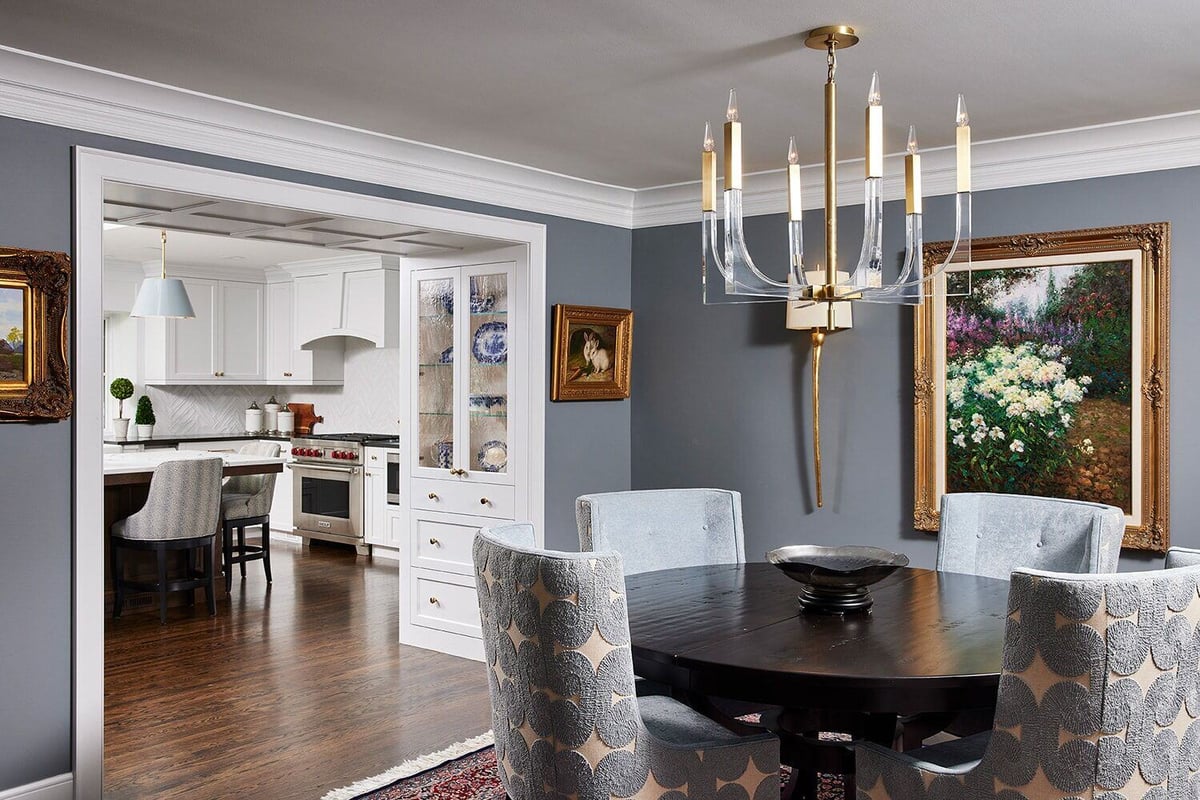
[318, 468]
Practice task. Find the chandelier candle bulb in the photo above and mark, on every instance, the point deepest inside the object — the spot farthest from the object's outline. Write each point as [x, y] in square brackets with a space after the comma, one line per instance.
[874, 129]
[733, 144]
[708, 169]
[912, 175]
[793, 177]
[963, 147]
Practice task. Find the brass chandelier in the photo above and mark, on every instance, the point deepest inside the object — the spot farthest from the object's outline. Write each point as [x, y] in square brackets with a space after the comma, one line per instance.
[820, 298]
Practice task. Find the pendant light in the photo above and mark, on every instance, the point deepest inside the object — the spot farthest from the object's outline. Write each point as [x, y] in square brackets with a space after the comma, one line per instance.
[163, 296]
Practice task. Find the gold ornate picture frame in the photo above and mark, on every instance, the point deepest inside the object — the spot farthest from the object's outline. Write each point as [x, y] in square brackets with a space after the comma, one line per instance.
[35, 378]
[1051, 377]
[592, 347]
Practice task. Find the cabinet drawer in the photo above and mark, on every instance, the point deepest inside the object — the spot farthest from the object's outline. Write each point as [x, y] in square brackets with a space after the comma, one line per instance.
[445, 604]
[445, 546]
[464, 497]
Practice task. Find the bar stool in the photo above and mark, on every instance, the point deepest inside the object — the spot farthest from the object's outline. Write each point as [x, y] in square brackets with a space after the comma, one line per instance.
[246, 502]
[180, 514]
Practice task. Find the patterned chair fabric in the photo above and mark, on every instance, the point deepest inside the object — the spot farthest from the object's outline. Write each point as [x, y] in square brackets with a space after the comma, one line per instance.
[664, 528]
[247, 496]
[993, 534]
[1098, 698]
[566, 721]
[1182, 557]
[184, 501]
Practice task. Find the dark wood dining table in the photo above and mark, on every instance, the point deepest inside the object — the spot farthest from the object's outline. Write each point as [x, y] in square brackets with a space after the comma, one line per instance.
[931, 644]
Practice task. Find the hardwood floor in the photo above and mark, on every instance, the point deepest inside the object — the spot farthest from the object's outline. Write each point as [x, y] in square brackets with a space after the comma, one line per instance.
[290, 691]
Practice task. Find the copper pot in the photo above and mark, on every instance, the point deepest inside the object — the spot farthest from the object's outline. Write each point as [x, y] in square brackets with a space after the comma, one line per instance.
[305, 417]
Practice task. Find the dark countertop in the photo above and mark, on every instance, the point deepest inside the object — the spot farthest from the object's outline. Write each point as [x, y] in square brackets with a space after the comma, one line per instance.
[166, 440]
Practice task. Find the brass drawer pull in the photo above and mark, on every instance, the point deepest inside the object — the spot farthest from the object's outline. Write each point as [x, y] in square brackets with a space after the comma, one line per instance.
[433, 601]
[287, 374]
[484, 501]
[460, 472]
[433, 496]
[435, 542]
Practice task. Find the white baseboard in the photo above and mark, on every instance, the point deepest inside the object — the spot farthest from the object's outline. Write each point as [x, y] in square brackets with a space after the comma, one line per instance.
[59, 787]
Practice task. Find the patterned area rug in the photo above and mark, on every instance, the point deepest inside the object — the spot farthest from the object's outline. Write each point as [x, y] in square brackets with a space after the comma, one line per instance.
[467, 771]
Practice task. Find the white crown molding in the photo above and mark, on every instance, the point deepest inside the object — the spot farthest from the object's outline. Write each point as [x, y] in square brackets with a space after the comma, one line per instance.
[346, 263]
[1119, 148]
[55, 92]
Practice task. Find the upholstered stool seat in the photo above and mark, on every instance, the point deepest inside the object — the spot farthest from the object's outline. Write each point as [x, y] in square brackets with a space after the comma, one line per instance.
[180, 515]
[245, 503]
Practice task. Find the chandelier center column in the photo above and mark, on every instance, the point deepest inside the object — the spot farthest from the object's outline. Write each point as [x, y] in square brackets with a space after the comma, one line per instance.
[831, 171]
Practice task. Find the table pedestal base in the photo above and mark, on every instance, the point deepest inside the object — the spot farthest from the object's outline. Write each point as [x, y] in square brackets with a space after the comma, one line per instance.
[814, 743]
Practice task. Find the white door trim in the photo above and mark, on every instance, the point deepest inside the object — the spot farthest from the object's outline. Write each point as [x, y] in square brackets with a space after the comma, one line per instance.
[92, 169]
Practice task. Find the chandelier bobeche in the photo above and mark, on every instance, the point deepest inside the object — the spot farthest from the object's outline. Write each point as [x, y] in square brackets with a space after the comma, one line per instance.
[736, 278]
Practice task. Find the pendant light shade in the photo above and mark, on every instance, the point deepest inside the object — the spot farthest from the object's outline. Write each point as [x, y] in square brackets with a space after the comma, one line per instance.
[163, 296]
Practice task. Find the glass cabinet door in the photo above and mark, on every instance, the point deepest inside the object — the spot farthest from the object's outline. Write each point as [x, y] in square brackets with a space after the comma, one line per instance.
[488, 374]
[435, 356]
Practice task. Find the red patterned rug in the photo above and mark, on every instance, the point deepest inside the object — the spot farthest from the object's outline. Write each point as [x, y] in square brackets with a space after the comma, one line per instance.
[473, 777]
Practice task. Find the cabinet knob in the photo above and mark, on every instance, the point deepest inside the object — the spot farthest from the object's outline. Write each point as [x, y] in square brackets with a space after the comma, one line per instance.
[287, 374]
[433, 496]
[433, 601]
[483, 501]
[435, 542]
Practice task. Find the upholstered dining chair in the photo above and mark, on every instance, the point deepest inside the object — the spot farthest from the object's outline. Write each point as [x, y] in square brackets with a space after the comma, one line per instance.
[564, 713]
[663, 528]
[245, 502]
[180, 515]
[1097, 698]
[993, 534]
[1182, 557]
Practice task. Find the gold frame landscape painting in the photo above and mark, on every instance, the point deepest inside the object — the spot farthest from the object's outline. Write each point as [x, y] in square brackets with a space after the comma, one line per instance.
[35, 380]
[1048, 374]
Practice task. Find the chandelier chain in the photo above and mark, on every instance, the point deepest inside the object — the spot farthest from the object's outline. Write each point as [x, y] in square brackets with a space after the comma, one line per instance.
[831, 58]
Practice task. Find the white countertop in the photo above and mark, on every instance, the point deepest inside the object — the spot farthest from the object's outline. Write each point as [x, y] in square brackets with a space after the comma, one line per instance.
[148, 460]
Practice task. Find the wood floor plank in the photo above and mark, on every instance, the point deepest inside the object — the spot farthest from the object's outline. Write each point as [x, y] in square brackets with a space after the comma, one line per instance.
[293, 689]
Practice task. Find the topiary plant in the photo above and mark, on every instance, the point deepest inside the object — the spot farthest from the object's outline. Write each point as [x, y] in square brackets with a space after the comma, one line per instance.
[145, 412]
[122, 390]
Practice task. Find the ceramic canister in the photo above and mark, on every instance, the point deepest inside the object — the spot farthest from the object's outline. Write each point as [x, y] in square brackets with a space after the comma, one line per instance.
[254, 418]
[271, 414]
[287, 421]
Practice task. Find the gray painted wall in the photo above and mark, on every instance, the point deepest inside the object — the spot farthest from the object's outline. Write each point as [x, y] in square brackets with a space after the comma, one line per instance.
[587, 443]
[721, 392]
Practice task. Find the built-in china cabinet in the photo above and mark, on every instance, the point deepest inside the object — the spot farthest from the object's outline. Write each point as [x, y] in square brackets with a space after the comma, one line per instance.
[464, 453]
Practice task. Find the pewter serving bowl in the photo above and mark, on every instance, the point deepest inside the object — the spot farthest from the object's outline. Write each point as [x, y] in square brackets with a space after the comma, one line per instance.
[834, 580]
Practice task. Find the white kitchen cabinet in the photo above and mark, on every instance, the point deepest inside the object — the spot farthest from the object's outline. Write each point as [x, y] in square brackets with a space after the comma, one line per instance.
[281, 501]
[466, 368]
[323, 363]
[223, 343]
[375, 525]
[355, 296]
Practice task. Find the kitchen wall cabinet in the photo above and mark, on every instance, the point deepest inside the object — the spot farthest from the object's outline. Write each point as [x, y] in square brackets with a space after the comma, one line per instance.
[321, 364]
[355, 296]
[466, 467]
[222, 343]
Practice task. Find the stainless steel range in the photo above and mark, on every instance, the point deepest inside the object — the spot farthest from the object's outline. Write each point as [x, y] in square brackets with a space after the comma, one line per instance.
[327, 489]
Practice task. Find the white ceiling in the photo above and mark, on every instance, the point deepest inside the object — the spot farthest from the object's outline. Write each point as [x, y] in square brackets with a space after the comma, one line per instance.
[618, 91]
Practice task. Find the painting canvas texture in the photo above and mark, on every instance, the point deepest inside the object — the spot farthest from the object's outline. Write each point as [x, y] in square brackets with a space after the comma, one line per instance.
[13, 327]
[1038, 381]
[591, 355]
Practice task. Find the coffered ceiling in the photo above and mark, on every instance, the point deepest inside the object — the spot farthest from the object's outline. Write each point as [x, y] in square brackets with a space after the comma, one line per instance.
[618, 91]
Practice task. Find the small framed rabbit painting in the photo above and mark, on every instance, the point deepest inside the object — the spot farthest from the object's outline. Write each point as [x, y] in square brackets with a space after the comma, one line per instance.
[591, 353]
[35, 377]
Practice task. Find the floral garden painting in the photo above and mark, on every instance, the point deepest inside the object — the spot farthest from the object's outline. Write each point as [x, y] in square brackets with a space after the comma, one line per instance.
[12, 334]
[1038, 383]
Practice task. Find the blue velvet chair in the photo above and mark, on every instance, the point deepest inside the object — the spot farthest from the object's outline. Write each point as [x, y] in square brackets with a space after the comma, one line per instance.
[564, 714]
[664, 528]
[993, 534]
[1097, 699]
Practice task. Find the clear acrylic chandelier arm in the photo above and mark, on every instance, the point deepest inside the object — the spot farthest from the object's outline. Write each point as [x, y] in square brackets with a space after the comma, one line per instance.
[740, 272]
[910, 290]
[868, 273]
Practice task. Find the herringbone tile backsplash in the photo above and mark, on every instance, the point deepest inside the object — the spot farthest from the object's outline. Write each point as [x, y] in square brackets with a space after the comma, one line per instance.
[368, 402]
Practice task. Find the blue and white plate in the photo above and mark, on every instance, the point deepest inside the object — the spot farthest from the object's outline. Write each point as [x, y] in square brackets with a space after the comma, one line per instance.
[447, 356]
[486, 402]
[493, 456]
[491, 343]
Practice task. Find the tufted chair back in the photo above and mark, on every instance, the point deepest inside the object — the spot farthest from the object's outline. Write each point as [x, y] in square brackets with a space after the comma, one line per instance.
[1182, 557]
[664, 528]
[993, 534]
[183, 502]
[564, 713]
[1099, 696]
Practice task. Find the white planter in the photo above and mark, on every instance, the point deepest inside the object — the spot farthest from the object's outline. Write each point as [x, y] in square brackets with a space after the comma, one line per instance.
[145, 431]
[120, 429]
